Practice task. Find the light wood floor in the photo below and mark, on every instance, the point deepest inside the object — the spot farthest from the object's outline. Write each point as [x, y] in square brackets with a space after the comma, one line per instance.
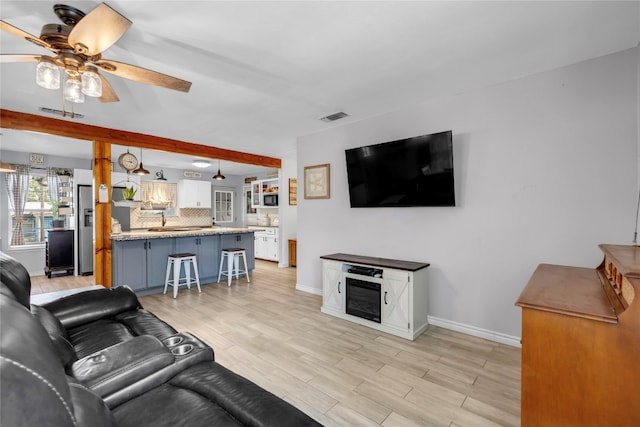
[340, 373]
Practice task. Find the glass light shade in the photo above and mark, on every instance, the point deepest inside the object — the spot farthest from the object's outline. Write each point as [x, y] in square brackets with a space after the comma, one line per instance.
[91, 83]
[48, 75]
[201, 163]
[73, 90]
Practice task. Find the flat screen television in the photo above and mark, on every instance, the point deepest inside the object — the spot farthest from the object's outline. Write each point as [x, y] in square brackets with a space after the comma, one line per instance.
[415, 171]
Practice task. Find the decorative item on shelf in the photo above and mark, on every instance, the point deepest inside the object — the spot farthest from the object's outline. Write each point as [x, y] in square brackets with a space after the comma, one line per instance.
[160, 176]
[219, 176]
[58, 221]
[64, 175]
[141, 170]
[129, 193]
[317, 181]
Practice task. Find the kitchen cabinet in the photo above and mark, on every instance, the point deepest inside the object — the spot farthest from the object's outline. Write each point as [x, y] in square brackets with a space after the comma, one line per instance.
[260, 188]
[141, 264]
[266, 244]
[194, 194]
[402, 292]
[207, 250]
[240, 240]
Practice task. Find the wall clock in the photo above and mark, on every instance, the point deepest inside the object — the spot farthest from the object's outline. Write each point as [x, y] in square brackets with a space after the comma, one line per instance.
[128, 161]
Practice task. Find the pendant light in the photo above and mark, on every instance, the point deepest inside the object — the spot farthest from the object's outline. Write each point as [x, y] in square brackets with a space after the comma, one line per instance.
[141, 170]
[218, 176]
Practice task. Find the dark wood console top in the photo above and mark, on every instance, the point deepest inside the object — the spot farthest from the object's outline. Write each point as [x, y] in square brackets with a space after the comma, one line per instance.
[378, 262]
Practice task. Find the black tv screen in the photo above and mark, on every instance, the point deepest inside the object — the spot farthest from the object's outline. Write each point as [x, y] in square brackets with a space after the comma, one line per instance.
[415, 171]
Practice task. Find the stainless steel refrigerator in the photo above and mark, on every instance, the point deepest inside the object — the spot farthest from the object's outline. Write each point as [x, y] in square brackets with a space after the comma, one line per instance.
[85, 230]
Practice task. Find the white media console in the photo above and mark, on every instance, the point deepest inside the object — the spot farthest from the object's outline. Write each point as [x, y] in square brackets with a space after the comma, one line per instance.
[384, 294]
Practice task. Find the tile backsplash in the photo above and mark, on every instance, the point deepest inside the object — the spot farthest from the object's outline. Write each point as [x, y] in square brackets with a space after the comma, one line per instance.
[187, 217]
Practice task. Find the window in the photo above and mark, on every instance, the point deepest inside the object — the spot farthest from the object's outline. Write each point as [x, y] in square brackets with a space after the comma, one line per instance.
[38, 215]
[223, 206]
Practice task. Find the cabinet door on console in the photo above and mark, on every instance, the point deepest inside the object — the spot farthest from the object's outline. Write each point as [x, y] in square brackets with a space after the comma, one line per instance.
[395, 299]
[333, 286]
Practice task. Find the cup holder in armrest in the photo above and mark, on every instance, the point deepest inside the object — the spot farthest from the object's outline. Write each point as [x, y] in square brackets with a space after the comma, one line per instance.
[173, 340]
[182, 349]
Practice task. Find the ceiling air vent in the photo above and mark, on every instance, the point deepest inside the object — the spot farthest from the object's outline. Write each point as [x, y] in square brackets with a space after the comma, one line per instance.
[61, 113]
[333, 117]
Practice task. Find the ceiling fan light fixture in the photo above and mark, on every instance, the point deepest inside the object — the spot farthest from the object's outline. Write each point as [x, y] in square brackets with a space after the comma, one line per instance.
[91, 83]
[73, 90]
[219, 176]
[201, 163]
[47, 74]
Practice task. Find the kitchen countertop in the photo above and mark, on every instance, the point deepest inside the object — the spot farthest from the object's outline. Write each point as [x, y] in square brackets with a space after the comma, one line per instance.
[168, 232]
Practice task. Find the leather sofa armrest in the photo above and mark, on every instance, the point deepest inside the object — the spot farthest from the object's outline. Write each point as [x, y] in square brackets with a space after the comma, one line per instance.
[89, 306]
[121, 365]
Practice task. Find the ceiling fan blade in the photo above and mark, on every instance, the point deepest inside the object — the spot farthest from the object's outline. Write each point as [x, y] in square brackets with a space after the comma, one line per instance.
[98, 30]
[19, 58]
[108, 94]
[143, 75]
[5, 26]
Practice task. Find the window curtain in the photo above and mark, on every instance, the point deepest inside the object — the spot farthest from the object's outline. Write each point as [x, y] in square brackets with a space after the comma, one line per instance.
[52, 184]
[159, 194]
[17, 188]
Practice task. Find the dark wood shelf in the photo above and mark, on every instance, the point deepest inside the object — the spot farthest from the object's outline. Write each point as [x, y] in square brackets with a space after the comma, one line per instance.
[378, 262]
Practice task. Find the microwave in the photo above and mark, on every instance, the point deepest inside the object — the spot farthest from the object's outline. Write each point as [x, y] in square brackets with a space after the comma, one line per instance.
[270, 200]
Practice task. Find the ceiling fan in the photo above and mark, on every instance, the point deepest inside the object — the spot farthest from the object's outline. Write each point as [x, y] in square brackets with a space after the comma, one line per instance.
[77, 45]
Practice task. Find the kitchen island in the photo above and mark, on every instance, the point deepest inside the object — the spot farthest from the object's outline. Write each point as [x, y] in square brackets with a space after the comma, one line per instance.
[139, 257]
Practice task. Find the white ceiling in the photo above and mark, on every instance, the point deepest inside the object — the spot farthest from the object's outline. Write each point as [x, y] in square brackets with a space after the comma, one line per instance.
[263, 72]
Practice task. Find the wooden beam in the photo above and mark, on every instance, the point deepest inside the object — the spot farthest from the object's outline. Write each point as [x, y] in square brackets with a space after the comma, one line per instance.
[102, 213]
[31, 122]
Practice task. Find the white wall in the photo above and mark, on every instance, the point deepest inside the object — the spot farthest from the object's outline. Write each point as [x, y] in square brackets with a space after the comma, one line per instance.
[545, 167]
[288, 214]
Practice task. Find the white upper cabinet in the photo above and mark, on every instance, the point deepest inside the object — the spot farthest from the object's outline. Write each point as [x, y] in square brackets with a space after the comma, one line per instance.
[194, 194]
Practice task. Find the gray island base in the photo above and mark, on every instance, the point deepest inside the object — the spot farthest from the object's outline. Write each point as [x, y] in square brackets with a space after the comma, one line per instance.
[139, 258]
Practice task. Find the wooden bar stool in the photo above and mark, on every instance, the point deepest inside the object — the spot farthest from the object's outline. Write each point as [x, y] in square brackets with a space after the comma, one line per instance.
[232, 255]
[176, 261]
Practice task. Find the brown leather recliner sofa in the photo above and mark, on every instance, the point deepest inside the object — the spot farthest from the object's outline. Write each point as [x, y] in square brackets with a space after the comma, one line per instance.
[97, 358]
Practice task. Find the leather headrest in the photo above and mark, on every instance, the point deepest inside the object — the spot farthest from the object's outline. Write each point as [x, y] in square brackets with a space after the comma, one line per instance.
[15, 277]
[33, 384]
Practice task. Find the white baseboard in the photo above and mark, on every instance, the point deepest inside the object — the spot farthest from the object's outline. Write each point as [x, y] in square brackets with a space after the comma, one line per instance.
[308, 289]
[475, 331]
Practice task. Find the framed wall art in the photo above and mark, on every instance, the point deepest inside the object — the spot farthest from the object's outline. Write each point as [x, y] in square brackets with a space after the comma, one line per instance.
[293, 191]
[317, 182]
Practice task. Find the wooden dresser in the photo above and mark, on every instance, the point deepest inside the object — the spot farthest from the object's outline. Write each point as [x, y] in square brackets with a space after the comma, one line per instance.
[581, 343]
